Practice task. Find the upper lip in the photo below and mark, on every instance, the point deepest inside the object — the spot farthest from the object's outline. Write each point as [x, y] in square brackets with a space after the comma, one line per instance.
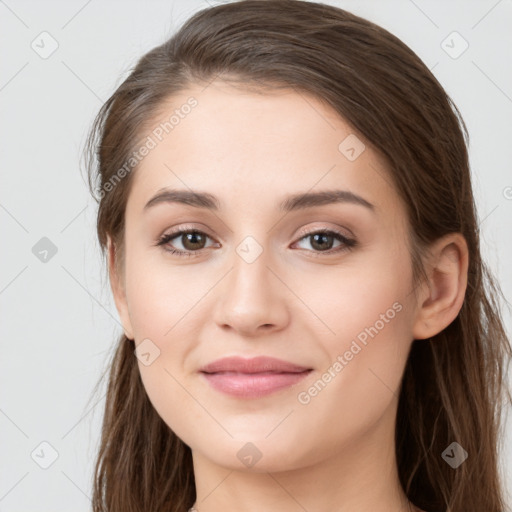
[252, 365]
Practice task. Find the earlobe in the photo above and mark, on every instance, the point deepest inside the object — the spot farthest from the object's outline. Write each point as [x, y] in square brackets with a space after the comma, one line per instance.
[446, 286]
[118, 289]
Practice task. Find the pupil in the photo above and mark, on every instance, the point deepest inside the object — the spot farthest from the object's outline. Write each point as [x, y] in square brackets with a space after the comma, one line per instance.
[191, 237]
[324, 236]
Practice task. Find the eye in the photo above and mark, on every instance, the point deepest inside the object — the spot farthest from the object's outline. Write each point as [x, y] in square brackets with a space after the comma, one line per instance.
[193, 241]
[323, 239]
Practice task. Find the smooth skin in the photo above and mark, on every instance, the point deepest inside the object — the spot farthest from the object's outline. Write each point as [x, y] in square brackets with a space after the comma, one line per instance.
[298, 300]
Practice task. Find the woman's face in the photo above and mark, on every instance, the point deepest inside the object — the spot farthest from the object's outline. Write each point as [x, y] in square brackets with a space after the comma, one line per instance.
[256, 281]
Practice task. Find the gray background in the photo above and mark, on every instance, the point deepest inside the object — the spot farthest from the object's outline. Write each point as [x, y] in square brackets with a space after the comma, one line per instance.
[59, 322]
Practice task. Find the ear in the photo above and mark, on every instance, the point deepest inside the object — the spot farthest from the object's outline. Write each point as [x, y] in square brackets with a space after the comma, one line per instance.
[118, 290]
[444, 292]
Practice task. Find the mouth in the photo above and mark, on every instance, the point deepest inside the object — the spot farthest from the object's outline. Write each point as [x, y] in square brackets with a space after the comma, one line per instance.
[255, 384]
[252, 377]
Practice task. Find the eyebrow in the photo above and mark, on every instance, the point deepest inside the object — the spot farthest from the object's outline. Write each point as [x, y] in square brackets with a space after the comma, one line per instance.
[293, 202]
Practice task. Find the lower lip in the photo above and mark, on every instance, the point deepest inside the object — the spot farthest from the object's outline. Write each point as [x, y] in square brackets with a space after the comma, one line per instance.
[252, 385]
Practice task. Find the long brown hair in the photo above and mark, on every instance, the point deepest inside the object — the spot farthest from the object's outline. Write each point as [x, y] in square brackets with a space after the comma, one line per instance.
[453, 387]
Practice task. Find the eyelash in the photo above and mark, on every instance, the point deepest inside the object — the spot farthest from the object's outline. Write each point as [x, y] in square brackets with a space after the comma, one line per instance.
[348, 243]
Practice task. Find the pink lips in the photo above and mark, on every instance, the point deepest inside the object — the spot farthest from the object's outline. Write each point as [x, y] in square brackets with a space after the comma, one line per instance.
[252, 378]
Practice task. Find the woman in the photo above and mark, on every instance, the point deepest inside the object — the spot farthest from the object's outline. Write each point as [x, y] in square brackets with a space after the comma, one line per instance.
[286, 206]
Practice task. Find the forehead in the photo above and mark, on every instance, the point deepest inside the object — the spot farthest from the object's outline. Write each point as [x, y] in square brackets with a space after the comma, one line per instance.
[254, 149]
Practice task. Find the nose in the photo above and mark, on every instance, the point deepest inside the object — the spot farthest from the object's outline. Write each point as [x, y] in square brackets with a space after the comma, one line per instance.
[252, 298]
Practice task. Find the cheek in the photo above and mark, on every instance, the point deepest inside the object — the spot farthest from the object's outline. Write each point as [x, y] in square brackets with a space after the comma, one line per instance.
[372, 339]
[161, 296]
[367, 297]
[165, 320]
[164, 303]
[371, 316]
[359, 383]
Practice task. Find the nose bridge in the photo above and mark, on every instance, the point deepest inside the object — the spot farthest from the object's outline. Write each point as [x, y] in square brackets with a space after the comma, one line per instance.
[251, 295]
[251, 273]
